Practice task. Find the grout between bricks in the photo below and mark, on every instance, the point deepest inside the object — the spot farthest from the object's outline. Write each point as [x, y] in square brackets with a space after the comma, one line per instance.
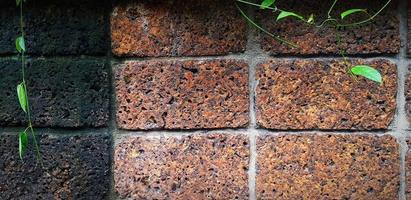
[401, 124]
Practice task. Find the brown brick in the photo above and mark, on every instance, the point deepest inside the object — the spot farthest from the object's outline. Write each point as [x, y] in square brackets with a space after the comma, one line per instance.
[182, 94]
[408, 97]
[193, 167]
[408, 170]
[321, 94]
[310, 166]
[381, 36]
[176, 28]
[75, 167]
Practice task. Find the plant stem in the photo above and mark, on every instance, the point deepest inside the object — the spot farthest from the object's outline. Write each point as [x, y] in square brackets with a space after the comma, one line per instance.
[265, 31]
[23, 66]
[331, 8]
[367, 20]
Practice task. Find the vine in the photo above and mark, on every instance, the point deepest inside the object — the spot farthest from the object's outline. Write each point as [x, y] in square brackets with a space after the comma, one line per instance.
[23, 94]
[360, 70]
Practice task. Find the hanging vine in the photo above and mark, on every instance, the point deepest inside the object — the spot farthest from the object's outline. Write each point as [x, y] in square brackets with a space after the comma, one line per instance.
[332, 22]
[22, 92]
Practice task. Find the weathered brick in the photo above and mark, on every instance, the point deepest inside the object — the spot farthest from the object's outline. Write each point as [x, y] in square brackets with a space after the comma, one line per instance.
[321, 94]
[182, 94]
[176, 28]
[192, 167]
[408, 97]
[63, 27]
[311, 166]
[75, 167]
[409, 30]
[408, 170]
[381, 36]
[62, 92]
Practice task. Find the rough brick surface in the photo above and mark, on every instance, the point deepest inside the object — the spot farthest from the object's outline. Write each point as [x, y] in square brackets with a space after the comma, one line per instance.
[74, 168]
[408, 171]
[327, 167]
[408, 97]
[182, 94]
[379, 37]
[193, 167]
[321, 94]
[62, 92]
[176, 28]
[63, 27]
[409, 30]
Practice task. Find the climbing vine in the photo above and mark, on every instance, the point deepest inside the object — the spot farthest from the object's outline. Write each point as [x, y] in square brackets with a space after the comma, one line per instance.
[330, 21]
[22, 92]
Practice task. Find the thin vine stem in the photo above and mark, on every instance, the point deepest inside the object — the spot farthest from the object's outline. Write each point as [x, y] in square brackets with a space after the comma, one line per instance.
[264, 30]
[23, 66]
[367, 20]
[331, 9]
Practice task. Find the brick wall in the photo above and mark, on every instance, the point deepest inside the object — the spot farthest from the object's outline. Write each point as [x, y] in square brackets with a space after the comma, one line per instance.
[182, 100]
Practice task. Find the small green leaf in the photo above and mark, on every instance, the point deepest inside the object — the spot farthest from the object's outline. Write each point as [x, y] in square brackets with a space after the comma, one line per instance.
[22, 94]
[367, 72]
[23, 143]
[266, 3]
[311, 19]
[285, 14]
[20, 44]
[351, 11]
[18, 2]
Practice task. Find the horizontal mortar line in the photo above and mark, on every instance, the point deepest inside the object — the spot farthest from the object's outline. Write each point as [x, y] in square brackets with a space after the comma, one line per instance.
[245, 131]
[15, 56]
[247, 57]
[56, 130]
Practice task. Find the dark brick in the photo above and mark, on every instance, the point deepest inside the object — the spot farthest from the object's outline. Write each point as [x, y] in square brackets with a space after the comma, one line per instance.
[62, 92]
[63, 27]
[176, 28]
[409, 30]
[321, 94]
[182, 94]
[310, 166]
[192, 167]
[381, 36]
[75, 167]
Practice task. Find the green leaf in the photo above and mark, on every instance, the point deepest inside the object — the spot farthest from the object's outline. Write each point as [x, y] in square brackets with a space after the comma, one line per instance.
[20, 44]
[351, 11]
[266, 3]
[22, 94]
[18, 2]
[23, 143]
[367, 72]
[285, 14]
[311, 19]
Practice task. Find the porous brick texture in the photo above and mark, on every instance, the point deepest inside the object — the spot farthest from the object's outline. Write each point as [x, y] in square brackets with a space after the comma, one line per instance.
[408, 97]
[192, 167]
[189, 94]
[321, 94]
[380, 36]
[63, 27]
[313, 166]
[408, 170]
[176, 28]
[63, 92]
[75, 167]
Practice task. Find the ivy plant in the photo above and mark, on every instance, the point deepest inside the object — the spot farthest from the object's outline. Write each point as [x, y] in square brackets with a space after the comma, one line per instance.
[22, 93]
[361, 70]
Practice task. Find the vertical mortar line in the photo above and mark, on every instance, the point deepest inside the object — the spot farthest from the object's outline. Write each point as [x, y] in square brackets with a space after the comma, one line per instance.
[112, 127]
[401, 123]
[253, 54]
